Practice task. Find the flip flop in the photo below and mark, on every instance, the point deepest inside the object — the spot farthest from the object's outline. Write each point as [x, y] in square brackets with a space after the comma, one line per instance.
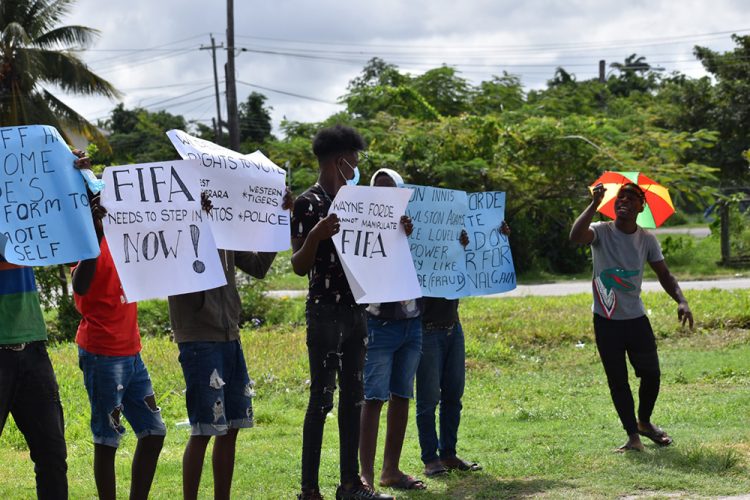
[462, 465]
[657, 435]
[406, 482]
[438, 470]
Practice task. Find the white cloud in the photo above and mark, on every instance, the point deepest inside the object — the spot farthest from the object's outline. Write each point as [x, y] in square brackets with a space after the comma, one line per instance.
[481, 37]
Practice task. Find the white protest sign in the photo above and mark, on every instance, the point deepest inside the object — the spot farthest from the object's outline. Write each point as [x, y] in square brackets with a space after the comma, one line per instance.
[159, 246]
[372, 245]
[246, 192]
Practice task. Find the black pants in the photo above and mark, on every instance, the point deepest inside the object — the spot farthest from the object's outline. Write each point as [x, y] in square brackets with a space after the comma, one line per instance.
[29, 392]
[614, 338]
[336, 337]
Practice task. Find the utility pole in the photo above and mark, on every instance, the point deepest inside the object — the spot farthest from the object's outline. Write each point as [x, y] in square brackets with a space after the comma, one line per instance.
[218, 122]
[232, 118]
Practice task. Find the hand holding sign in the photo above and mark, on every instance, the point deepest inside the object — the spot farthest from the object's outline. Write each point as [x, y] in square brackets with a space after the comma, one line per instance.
[371, 244]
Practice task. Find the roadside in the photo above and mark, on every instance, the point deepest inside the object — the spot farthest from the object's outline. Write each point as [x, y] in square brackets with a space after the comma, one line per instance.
[572, 287]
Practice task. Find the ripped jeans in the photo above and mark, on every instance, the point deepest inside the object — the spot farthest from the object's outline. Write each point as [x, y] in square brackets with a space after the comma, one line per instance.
[117, 386]
[336, 338]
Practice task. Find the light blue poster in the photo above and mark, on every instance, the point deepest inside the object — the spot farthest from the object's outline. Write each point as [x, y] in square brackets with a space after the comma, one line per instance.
[489, 264]
[44, 210]
[446, 269]
[438, 217]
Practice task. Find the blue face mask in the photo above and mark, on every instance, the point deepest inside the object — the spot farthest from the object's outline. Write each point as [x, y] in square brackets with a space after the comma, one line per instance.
[354, 180]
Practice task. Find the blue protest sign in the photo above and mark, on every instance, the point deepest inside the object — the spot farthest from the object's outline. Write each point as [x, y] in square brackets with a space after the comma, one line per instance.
[489, 264]
[438, 217]
[444, 267]
[44, 209]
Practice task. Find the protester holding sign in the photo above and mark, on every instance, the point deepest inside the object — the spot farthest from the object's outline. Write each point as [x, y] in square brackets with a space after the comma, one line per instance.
[393, 351]
[28, 389]
[336, 327]
[115, 377]
[619, 250]
[441, 378]
[218, 388]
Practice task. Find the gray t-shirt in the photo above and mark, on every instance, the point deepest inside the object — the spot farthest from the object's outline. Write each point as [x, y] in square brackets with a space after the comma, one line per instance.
[618, 269]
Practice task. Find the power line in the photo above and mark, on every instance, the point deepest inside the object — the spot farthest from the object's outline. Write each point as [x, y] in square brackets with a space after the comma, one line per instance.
[284, 92]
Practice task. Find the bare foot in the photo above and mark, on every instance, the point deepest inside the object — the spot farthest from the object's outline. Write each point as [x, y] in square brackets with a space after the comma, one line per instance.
[633, 444]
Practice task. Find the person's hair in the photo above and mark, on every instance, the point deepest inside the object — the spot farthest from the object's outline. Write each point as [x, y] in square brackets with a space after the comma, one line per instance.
[634, 188]
[335, 140]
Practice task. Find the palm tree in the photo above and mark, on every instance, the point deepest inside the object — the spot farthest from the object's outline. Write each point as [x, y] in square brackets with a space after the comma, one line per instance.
[35, 51]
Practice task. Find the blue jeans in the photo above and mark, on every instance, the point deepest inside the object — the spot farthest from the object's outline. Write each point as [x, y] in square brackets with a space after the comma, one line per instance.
[393, 351]
[119, 385]
[28, 391]
[218, 389]
[440, 380]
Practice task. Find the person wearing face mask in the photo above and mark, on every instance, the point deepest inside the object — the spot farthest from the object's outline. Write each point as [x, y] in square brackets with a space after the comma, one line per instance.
[336, 324]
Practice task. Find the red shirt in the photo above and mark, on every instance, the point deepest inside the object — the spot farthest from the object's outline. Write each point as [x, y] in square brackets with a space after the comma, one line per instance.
[109, 325]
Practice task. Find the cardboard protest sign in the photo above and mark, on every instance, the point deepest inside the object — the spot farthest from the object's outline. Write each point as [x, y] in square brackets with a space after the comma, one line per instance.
[159, 245]
[372, 245]
[438, 216]
[444, 267]
[489, 264]
[44, 209]
[246, 192]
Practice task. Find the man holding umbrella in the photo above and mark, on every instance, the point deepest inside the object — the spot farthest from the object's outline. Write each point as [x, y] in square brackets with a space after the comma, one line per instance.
[619, 250]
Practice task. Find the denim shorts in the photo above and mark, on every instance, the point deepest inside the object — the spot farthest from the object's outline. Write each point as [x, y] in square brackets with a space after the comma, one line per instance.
[393, 351]
[218, 389]
[119, 385]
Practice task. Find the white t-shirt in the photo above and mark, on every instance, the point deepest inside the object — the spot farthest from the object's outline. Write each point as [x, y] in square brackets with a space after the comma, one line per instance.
[618, 269]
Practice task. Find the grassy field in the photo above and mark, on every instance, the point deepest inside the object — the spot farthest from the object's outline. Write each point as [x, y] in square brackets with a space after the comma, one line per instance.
[537, 412]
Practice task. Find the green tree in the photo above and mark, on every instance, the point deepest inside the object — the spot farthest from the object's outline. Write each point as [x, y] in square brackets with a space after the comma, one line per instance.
[633, 75]
[728, 109]
[502, 93]
[139, 136]
[36, 51]
[447, 92]
[255, 119]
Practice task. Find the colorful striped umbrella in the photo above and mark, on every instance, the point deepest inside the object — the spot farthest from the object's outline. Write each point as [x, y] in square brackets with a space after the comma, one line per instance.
[658, 205]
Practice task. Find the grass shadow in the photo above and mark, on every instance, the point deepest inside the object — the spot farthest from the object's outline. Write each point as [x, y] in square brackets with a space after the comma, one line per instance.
[693, 459]
[481, 486]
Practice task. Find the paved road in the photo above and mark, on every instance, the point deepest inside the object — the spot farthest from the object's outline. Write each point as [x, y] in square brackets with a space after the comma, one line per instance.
[584, 286]
[573, 287]
[698, 232]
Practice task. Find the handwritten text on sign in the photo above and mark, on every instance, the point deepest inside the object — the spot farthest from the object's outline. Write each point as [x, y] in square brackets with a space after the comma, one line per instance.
[159, 247]
[246, 192]
[372, 244]
[44, 210]
[438, 216]
[444, 267]
[489, 264]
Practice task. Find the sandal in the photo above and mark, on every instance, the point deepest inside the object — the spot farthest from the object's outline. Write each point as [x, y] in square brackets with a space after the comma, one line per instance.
[406, 482]
[460, 465]
[435, 468]
[656, 435]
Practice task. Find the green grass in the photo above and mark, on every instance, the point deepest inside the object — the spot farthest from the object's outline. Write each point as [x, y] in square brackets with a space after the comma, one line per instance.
[537, 412]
